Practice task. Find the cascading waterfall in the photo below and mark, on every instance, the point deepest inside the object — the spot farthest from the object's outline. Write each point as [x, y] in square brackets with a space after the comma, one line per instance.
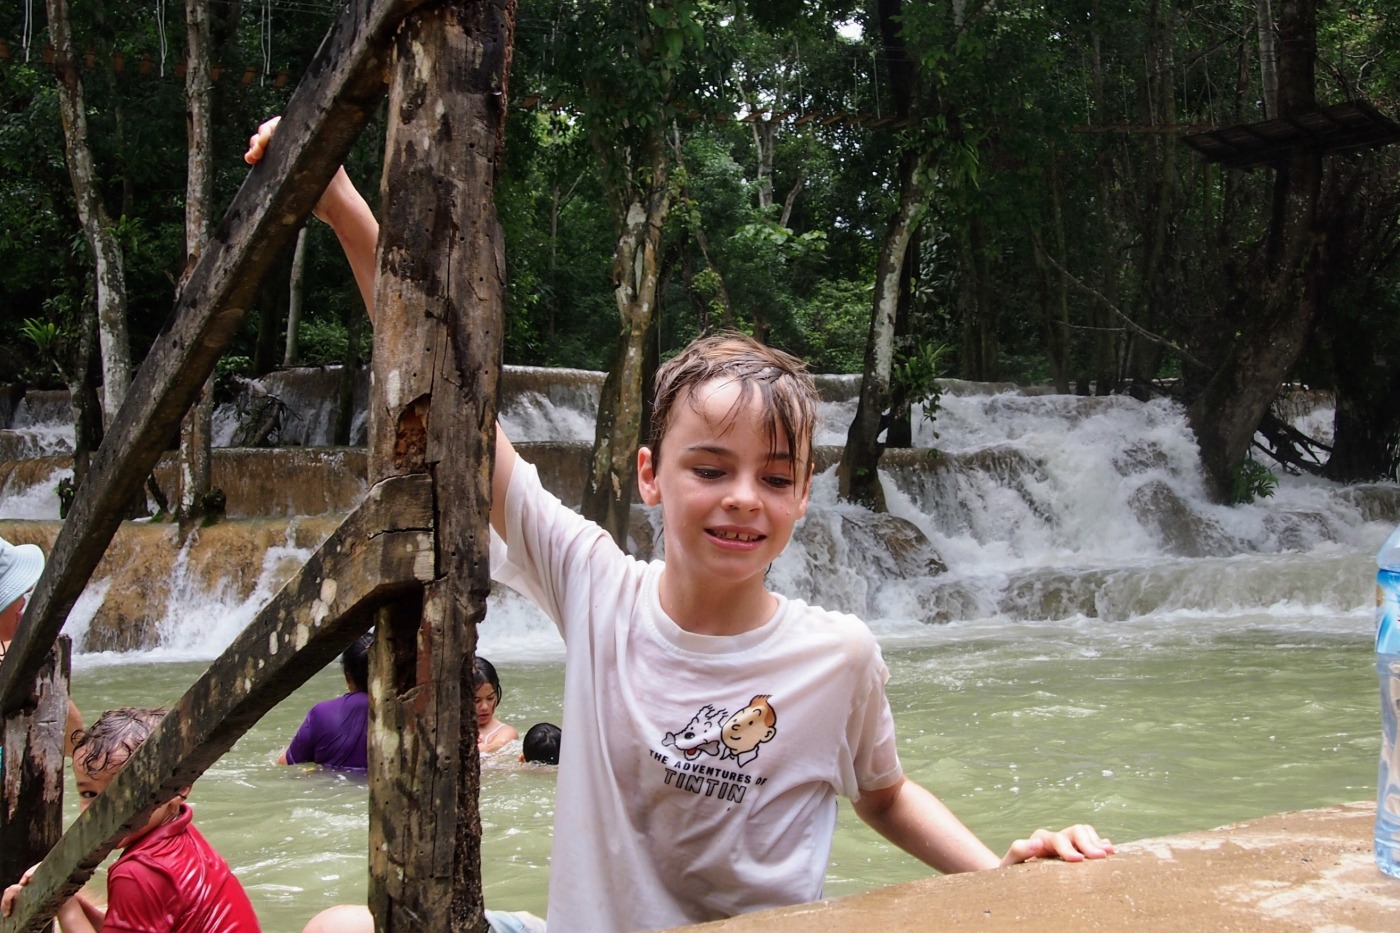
[1020, 505]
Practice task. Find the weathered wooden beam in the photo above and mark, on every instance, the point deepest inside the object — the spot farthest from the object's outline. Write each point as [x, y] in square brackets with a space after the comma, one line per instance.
[439, 305]
[382, 552]
[31, 808]
[326, 113]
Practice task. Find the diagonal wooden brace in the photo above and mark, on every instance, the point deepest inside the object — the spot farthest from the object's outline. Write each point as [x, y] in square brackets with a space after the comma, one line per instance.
[382, 551]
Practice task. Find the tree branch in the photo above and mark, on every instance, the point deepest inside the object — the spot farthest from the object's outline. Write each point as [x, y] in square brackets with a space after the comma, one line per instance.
[1129, 322]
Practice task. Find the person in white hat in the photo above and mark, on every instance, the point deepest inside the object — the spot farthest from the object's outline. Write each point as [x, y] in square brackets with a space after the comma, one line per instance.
[20, 568]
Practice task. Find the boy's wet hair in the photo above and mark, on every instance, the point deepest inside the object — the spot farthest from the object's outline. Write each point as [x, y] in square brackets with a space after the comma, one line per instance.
[541, 743]
[114, 736]
[786, 388]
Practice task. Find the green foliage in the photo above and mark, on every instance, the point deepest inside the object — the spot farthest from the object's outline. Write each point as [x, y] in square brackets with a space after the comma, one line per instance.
[230, 368]
[832, 325]
[1011, 103]
[916, 372]
[233, 364]
[1250, 481]
[631, 68]
[324, 342]
[781, 239]
[45, 335]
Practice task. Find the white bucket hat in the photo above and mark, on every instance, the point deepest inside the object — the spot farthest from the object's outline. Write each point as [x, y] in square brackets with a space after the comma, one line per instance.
[20, 568]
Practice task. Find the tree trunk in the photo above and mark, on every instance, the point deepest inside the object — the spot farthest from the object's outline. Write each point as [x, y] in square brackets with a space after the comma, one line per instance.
[1292, 286]
[980, 350]
[196, 442]
[85, 399]
[97, 226]
[196, 429]
[1099, 368]
[858, 471]
[1366, 424]
[1157, 270]
[1268, 56]
[274, 296]
[1054, 287]
[900, 432]
[612, 479]
[439, 297]
[764, 132]
[1364, 236]
[296, 292]
[350, 367]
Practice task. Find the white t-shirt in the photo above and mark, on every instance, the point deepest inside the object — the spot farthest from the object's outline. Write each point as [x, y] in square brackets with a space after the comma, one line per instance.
[698, 774]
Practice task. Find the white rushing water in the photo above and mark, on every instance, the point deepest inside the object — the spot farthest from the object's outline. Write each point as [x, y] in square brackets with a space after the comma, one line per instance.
[1042, 507]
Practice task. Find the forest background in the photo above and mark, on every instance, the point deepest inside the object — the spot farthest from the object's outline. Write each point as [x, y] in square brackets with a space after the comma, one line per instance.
[992, 190]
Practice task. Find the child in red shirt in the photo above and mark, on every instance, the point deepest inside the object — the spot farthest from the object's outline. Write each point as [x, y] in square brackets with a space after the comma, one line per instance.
[168, 878]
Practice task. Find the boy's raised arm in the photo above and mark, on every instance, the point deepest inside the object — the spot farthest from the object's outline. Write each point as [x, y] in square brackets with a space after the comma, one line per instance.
[348, 214]
[344, 208]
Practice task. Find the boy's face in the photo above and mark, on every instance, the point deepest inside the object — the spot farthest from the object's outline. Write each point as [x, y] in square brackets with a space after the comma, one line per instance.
[729, 499]
[90, 783]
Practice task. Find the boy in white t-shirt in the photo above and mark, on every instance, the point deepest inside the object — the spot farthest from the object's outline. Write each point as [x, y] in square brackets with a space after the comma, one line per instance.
[712, 723]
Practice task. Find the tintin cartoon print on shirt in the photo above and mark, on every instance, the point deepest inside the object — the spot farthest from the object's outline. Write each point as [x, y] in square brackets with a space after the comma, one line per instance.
[712, 731]
[747, 729]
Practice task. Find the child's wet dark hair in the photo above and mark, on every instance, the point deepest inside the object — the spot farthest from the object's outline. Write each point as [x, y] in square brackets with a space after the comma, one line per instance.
[484, 672]
[541, 743]
[114, 736]
[355, 662]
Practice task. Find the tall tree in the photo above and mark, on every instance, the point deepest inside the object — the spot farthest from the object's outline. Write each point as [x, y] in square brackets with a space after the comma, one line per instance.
[858, 472]
[636, 64]
[925, 47]
[1160, 270]
[196, 429]
[1290, 288]
[97, 225]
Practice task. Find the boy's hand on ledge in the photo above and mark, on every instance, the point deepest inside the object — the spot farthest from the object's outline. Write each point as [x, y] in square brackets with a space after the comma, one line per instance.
[1073, 844]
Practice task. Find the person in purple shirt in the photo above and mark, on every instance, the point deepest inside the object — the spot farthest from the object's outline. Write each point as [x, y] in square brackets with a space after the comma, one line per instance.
[333, 735]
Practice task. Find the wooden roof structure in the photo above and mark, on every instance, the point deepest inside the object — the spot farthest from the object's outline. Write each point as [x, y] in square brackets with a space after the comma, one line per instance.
[1355, 124]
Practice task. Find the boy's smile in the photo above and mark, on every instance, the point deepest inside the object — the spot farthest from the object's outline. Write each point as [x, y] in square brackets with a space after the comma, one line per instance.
[730, 495]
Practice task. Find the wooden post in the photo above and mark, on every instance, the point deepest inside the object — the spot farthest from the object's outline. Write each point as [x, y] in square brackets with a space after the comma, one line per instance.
[31, 819]
[439, 298]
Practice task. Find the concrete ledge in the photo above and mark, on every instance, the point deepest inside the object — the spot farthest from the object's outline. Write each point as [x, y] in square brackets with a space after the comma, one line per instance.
[1311, 870]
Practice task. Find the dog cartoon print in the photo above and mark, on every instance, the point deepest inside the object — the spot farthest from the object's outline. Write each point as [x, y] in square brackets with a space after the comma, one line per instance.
[701, 736]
